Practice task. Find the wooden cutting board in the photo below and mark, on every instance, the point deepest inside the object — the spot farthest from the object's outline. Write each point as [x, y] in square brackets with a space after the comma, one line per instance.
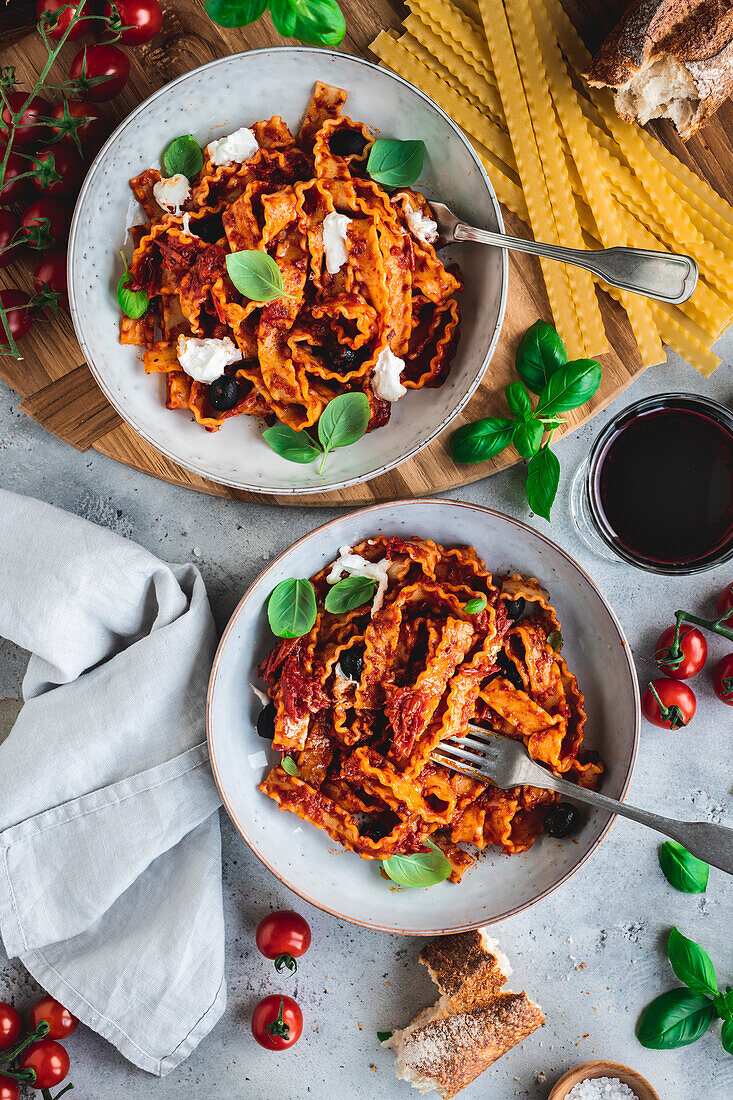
[58, 388]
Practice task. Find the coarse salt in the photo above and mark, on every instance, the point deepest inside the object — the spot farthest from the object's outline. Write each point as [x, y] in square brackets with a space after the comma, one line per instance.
[601, 1088]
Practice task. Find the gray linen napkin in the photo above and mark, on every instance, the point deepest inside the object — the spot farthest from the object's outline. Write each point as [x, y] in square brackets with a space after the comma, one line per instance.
[110, 853]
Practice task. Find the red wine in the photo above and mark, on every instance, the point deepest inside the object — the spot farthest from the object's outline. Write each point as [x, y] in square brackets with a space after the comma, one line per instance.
[663, 484]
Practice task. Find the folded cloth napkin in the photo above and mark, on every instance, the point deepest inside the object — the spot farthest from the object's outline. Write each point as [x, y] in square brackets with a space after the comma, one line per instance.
[110, 853]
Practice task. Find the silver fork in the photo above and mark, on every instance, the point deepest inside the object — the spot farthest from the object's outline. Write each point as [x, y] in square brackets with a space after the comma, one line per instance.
[507, 763]
[661, 275]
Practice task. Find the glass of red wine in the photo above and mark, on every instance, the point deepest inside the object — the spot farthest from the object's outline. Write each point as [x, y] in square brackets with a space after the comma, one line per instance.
[657, 487]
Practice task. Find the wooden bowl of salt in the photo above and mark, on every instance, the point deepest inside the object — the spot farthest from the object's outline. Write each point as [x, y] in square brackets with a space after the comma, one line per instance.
[593, 1072]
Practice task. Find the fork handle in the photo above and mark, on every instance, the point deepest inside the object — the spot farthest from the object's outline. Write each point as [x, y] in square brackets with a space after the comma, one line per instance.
[660, 275]
[709, 842]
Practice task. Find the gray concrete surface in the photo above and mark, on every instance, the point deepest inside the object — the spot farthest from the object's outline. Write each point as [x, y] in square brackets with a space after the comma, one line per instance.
[592, 954]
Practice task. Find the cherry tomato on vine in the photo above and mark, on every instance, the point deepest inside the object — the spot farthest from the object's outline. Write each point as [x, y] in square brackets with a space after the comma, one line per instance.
[92, 133]
[50, 1061]
[9, 225]
[67, 164]
[142, 18]
[723, 679]
[694, 651]
[93, 62]
[51, 272]
[668, 704]
[9, 1016]
[61, 1022]
[725, 603]
[9, 1089]
[277, 1022]
[27, 129]
[45, 223]
[283, 936]
[80, 27]
[19, 316]
[13, 189]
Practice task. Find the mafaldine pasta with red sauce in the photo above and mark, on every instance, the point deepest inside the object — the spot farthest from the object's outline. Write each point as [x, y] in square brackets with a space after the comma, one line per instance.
[366, 305]
[363, 699]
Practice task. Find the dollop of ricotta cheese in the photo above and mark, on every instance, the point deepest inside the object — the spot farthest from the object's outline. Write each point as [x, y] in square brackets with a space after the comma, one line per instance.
[336, 253]
[425, 229]
[205, 359]
[386, 377]
[235, 148]
[171, 193]
[357, 566]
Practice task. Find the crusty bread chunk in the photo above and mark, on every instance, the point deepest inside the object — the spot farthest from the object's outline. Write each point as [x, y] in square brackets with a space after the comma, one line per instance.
[668, 59]
[473, 1022]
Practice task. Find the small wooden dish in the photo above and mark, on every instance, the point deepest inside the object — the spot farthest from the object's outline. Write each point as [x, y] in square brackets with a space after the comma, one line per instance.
[599, 1068]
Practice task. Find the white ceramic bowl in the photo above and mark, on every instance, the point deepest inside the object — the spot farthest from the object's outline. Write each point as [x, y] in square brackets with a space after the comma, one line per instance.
[305, 858]
[212, 101]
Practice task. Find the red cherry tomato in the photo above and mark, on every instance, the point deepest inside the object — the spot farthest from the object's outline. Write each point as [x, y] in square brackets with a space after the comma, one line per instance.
[51, 272]
[283, 936]
[50, 1061]
[80, 27]
[725, 603]
[723, 679]
[9, 1089]
[277, 1022]
[96, 61]
[67, 164]
[678, 704]
[27, 129]
[694, 652]
[14, 189]
[61, 1022]
[20, 317]
[9, 225]
[45, 223]
[142, 18]
[9, 1016]
[91, 134]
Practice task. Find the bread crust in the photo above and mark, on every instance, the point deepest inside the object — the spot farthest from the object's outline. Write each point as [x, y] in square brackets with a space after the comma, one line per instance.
[697, 35]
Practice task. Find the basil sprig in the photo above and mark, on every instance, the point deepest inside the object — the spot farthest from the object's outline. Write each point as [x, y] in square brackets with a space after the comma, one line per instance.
[291, 608]
[349, 593]
[183, 157]
[343, 421]
[680, 1016]
[683, 870]
[314, 22]
[256, 275]
[395, 163]
[420, 869]
[133, 303]
[543, 368]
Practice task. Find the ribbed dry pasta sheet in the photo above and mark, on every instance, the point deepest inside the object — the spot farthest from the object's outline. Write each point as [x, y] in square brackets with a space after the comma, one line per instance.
[509, 73]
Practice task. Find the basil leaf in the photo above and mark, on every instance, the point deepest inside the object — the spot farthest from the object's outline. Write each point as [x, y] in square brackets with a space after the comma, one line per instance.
[349, 593]
[543, 478]
[539, 355]
[569, 387]
[317, 22]
[289, 444]
[726, 1036]
[517, 399]
[183, 157]
[288, 764]
[234, 13]
[675, 1019]
[256, 275]
[283, 17]
[683, 870]
[724, 1004]
[554, 640]
[527, 438]
[133, 303]
[481, 440]
[343, 421]
[420, 869]
[692, 964]
[291, 608]
[395, 163]
[474, 606]
[384, 1035]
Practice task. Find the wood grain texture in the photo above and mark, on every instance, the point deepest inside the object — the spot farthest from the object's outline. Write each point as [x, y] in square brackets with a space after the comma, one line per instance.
[52, 369]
